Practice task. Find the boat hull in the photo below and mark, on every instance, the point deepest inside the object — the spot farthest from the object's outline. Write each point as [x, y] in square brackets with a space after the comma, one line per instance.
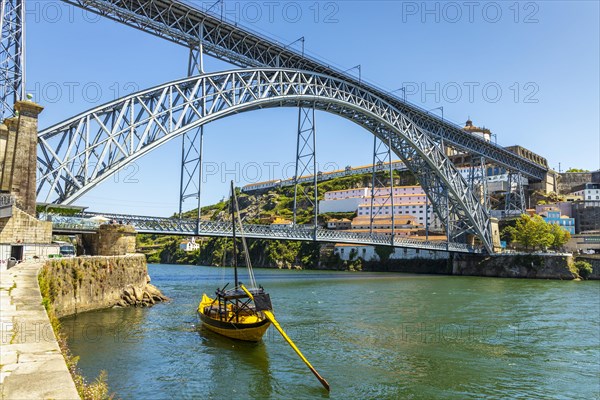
[237, 331]
[251, 329]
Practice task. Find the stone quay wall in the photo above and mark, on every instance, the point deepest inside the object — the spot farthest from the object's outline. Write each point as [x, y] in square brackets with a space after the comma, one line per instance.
[90, 283]
[533, 266]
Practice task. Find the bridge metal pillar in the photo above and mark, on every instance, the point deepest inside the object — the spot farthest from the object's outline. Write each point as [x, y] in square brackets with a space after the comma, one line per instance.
[306, 159]
[382, 153]
[478, 180]
[191, 145]
[515, 198]
[12, 55]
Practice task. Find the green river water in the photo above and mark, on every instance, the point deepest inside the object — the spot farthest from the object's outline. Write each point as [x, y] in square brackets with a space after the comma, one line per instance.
[371, 335]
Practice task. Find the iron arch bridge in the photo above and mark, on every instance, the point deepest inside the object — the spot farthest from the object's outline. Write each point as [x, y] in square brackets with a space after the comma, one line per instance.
[76, 155]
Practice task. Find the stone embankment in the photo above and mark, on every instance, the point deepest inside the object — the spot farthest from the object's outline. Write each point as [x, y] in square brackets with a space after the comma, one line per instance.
[532, 266]
[31, 363]
[80, 284]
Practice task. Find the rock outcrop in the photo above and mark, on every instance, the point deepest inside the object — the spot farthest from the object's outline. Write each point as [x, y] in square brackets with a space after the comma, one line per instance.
[90, 283]
[146, 297]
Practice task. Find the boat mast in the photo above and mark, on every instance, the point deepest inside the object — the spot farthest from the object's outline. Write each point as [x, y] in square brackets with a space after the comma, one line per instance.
[235, 272]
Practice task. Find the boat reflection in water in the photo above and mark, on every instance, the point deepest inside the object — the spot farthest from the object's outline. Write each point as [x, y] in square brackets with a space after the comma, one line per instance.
[240, 365]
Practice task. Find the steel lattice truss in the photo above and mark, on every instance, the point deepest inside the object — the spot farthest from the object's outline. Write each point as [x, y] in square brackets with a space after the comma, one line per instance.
[515, 196]
[382, 154]
[190, 227]
[191, 146]
[79, 153]
[306, 160]
[185, 25]
[12, 55]
[478, 180]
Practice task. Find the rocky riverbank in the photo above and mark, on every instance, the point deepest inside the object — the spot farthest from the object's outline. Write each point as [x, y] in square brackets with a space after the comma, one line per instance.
[75, 285]
[532, 266]
[146, 297]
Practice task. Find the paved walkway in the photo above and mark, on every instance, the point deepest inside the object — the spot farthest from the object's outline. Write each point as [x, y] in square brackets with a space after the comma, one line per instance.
[31, 363]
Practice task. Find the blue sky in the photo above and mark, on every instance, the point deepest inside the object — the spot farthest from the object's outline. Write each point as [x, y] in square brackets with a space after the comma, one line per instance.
[529, 71]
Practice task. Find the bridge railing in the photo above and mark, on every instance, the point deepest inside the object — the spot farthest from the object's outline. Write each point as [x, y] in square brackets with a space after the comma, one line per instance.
[66, 223]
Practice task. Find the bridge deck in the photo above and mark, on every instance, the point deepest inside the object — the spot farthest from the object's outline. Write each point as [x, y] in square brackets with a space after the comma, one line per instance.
[190, 227]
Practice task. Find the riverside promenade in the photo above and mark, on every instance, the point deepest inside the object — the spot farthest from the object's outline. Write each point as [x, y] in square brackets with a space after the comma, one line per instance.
[31, 363]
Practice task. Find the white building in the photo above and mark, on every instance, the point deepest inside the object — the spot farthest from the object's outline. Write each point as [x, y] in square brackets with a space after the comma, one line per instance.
[339, 224]
[340, 205]
[347, 194]
[408, 200]
[368, 253]
[189, 245]
[416, 209]
[351, 251]
[497, 179]
[590, 193]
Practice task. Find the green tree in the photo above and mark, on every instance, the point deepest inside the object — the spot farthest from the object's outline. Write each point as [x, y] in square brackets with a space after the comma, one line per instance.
[560, 236]
[577, 170]
[584, 269]
[167, 254]
[353, 254]
[384, 252]
[530, 232]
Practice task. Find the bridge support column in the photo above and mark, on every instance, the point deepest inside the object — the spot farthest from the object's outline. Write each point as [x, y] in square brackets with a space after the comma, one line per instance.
[515, 198]
[382, 154]
[191, 146]
[306, 162]
[478, 180]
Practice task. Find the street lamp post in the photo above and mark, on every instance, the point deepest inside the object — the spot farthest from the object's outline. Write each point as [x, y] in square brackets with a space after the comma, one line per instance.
[441, 108]
[359, 67]
[403, 88]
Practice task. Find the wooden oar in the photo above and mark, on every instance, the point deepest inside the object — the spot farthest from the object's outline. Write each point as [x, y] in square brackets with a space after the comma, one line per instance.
[271, 318]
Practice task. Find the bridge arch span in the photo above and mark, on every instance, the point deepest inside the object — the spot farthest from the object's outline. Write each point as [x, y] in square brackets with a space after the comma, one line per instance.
[79, 153]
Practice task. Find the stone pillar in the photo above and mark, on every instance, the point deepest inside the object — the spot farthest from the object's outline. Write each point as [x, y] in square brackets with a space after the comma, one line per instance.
[23, 180]
[110, 240]
[3, 139]
[495, 235]
[9, 154]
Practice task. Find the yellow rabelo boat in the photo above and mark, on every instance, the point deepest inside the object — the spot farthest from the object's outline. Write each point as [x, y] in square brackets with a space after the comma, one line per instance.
[244, 313]
[237, 313]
